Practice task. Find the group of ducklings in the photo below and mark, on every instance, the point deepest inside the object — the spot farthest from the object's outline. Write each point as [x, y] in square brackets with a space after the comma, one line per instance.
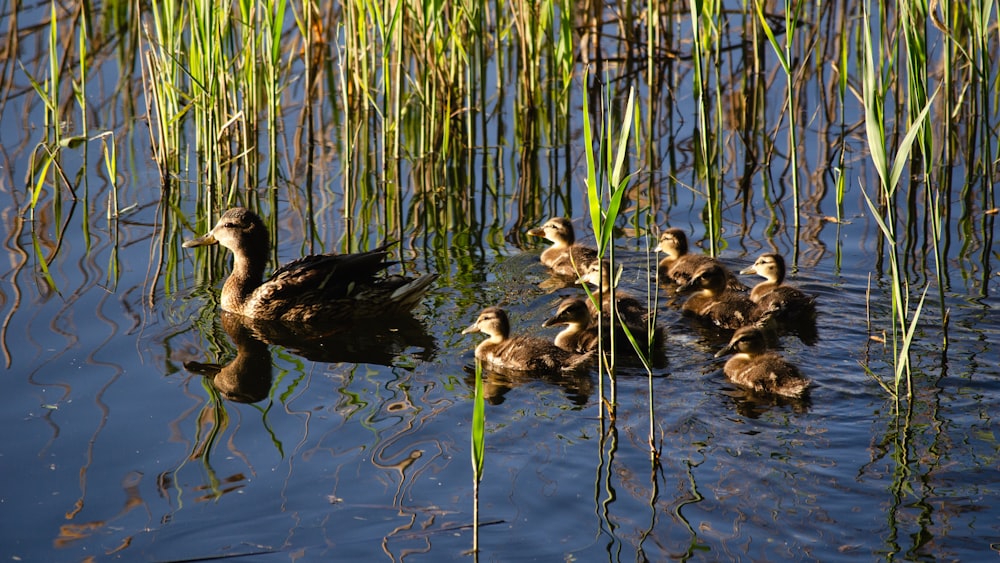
[715, 296]
[344, 287]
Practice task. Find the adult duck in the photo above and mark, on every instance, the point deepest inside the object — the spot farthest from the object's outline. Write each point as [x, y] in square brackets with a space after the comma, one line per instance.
[319, 288]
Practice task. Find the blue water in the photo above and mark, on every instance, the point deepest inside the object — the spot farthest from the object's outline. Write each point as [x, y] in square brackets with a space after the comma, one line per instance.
[112, 449]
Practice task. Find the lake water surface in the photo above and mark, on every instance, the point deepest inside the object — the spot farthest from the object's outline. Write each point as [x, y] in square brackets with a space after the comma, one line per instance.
[356, 446]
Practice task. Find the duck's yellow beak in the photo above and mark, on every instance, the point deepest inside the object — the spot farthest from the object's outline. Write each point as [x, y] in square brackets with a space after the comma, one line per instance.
[206, 240]
[471, 329]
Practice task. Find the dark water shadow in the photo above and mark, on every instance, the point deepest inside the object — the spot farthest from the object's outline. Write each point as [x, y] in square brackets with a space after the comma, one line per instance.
[247, 377]
[751, 404]
[578, 386]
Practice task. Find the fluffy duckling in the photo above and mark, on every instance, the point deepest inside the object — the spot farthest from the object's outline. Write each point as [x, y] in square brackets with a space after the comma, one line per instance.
[785, 303]
[520, 353]
[630, 310]
[631, 313]
[679, 266]
[580, 334]
[565, 257]
[318, 288]
[715, 302]
[762, 371]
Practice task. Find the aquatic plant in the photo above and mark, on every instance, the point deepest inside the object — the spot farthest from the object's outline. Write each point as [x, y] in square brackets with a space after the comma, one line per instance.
[904, 322]
[478, 450]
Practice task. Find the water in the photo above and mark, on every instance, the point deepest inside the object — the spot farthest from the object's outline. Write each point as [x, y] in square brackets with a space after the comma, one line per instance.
[113, 450]
[358, 448]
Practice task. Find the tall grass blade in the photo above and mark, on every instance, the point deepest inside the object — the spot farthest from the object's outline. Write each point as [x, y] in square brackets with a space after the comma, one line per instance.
[478, 450]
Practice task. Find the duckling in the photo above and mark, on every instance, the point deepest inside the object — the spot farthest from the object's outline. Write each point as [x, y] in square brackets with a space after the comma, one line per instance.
[520, 353]
[631, 313]
[715, 302]
[630, 310]
[784, 302]
[580, 334]
[323, 287]
[565, 257]
[762, 371]
[679, 266]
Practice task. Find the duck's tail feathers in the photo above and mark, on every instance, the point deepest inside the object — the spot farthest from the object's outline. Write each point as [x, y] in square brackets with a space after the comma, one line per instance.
[409, 294]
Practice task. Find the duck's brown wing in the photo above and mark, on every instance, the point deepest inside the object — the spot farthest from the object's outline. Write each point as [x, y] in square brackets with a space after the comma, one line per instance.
[574, 261]
[315, 286]
[332, 271]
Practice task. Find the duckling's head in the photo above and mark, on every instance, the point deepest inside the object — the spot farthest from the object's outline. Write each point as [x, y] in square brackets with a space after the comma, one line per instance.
[673, 243]
[747, 340]
[770, 266]
[598, 273]
[709, 279]
[571, 311]
[559, 230]
[239, 230]
[492, 322]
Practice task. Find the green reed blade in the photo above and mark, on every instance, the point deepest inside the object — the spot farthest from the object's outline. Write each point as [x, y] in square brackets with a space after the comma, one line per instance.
[904, 350]
[478, 425]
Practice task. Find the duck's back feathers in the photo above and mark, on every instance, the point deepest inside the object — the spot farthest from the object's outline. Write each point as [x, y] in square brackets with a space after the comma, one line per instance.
[529, 353]
[754, 367]
[715, 302]
[569, 261]
[766, 373]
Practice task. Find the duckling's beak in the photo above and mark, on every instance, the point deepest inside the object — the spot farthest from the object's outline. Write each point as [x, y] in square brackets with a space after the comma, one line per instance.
[471, 329]
[555, 320]
[206, 240]
[537, 232]
[729, 349]
[752, 269]
[686, 287]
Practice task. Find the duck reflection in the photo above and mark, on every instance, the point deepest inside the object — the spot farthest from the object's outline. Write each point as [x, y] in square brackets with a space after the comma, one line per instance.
[247, 378]
[497, 382]
[382, 341]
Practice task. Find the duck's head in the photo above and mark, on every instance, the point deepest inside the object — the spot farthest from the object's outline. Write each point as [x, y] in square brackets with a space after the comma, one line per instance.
[673, 242]
[239, 230]
[770, 266]
[571, 311]
[710, 279]
[559, 230]
[598, 273]
[747, 340]
[492, 322]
